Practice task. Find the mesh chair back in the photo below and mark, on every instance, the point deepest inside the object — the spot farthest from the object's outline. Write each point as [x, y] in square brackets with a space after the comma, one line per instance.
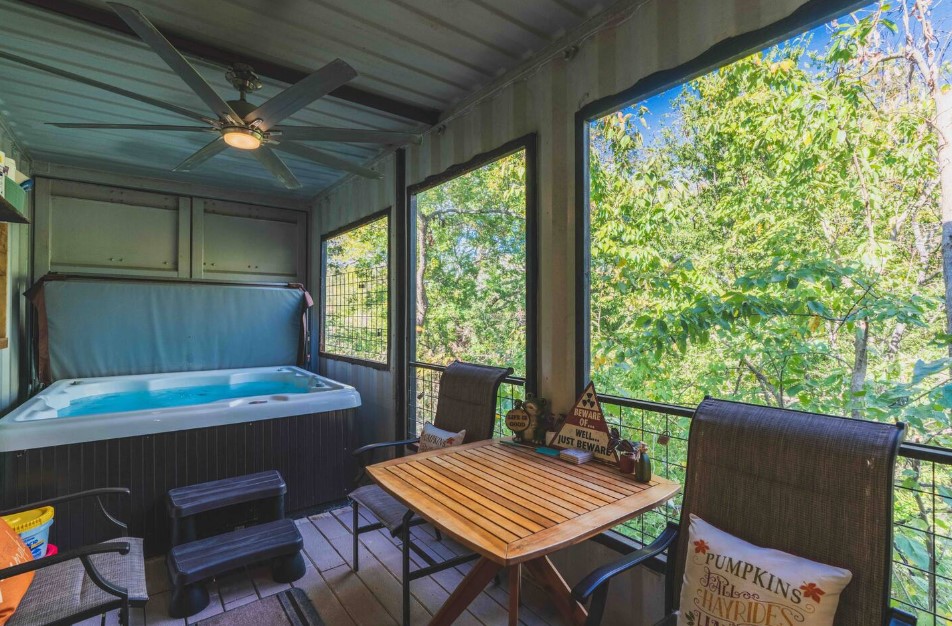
[467, 399]
[817, 486]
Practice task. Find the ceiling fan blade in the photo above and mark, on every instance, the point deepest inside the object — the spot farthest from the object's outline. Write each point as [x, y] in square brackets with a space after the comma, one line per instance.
[302, 93]
[276, 166]
[326, 159]
[191, 129]
[174, 108]
[174, 59]
[347, 135]
[217, 145]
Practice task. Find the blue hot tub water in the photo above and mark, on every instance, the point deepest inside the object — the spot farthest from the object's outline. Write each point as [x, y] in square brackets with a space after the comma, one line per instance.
[176, 396]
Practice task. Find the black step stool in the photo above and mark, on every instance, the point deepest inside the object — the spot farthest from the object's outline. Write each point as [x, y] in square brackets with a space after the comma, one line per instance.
[190, 564]
[184, 503]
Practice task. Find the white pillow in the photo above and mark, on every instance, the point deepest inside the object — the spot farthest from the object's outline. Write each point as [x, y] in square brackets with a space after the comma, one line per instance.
[433, 438]
[730, 581]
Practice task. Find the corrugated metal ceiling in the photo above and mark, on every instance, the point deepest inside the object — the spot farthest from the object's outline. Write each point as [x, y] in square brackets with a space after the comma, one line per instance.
[427, 53]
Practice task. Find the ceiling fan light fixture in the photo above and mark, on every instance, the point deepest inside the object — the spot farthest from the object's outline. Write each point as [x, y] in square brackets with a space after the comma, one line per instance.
[242, 138]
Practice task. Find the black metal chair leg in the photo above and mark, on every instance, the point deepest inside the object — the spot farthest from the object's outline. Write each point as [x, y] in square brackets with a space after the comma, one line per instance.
[439, 535]
[497, 580]
[405, 535]
[354, 505]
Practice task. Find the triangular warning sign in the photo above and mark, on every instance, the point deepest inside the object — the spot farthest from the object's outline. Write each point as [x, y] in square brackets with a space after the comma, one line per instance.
[585, 428]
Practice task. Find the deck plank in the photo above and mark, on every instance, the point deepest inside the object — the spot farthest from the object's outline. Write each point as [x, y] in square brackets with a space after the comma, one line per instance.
[329, 606]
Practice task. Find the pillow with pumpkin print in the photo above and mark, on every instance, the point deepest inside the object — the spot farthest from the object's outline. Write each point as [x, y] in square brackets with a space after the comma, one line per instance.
[730, 581]
[433, 438]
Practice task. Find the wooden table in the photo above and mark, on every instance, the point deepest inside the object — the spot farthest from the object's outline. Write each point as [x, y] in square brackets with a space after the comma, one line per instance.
[514, 507]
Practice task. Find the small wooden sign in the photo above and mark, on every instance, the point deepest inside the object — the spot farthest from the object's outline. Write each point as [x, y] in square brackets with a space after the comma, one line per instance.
[585, 428]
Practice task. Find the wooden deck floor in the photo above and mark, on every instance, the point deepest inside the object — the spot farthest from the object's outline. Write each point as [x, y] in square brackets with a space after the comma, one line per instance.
[370, 597]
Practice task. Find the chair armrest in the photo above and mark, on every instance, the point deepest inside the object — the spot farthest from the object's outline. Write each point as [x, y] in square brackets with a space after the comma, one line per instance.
[588, 585]
[122, 547]
[91, 493]
[72, 496]
[898, 617]
[370, 447]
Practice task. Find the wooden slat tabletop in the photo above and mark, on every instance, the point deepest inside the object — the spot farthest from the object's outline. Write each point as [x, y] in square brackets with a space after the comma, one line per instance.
[512, 504]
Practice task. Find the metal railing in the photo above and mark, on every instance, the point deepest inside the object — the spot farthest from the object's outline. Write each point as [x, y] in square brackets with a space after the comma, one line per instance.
[425, 388]
[922, 554]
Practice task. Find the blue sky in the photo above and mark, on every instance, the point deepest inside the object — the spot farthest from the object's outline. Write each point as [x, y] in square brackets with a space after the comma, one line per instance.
[660, 104]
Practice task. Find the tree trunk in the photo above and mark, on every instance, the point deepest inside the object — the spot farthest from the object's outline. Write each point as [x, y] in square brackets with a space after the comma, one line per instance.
[943, 119]
[860, 362]
[422, 303]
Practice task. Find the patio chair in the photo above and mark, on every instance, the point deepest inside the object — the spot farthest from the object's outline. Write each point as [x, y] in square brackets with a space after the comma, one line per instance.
[467, 399]
[828, 487]
[83, 582]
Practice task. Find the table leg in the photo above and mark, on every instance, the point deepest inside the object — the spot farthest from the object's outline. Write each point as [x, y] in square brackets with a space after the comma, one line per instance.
[470, 587]
[515, 586]
[546, 575]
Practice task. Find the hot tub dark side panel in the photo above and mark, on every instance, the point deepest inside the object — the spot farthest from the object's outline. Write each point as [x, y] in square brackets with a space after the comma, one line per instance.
[312, 452]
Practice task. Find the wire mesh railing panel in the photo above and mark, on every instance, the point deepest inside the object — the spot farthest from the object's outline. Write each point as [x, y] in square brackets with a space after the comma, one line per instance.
[922, 559]
[922, 555]
[669, 461]
[425, 389]
[356, 313]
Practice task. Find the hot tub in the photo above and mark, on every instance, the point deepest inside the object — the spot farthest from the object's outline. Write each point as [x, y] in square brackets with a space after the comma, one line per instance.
[151, 433]
[92, 409]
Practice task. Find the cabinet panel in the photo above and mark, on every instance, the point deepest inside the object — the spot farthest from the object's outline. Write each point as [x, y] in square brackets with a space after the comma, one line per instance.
[245, 242]
[86, 228]
[101, 230]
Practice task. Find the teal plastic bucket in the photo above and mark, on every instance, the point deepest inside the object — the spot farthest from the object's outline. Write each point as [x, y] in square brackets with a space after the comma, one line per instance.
[34, 528]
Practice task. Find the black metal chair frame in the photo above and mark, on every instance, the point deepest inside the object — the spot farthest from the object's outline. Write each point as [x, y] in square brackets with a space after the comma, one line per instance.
[83, 553]
[409, 521]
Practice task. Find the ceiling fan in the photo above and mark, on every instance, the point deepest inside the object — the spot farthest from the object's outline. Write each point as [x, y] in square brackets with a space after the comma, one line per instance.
[238, 123]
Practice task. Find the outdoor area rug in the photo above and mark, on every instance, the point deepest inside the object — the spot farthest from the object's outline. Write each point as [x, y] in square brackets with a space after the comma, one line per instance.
[288, 607]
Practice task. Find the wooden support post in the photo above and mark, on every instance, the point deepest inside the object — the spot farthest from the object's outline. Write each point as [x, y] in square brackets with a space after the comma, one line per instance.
[468, 589]
[515, 587]
[546, 575]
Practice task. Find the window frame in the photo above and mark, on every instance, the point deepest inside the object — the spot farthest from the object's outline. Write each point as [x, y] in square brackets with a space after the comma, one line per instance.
[364, 221]
[529, 144]
[811, 14]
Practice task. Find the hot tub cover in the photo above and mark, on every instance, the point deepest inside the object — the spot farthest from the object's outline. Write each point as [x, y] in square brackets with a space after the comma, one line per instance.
[91, 327]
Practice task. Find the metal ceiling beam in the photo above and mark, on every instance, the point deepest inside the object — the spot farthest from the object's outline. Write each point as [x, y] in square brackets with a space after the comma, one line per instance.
[192, 47]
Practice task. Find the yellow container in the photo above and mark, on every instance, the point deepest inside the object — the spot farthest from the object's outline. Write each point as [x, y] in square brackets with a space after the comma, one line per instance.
[33, 526]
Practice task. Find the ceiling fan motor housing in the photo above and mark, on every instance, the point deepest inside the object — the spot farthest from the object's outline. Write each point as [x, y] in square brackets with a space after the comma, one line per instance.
[243, 78]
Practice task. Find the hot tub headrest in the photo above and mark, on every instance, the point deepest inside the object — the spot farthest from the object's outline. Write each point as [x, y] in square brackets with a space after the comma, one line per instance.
[92, 327]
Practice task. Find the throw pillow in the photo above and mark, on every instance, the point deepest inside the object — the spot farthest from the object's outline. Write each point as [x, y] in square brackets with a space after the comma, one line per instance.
[12, 552]
[730, 581]
[433, 438]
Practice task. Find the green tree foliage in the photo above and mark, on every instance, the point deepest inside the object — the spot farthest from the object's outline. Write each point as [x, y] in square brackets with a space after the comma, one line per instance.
[471, 267]
[776, 239]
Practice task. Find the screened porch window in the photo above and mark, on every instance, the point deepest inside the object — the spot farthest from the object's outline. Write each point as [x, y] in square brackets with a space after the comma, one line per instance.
[771, 232]
[356, 294]
[470, 277]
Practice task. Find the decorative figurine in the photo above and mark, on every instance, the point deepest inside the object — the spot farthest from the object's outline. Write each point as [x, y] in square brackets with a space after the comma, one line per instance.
[627, 456]
[518, 420]
[538, 409]
[643, 464]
